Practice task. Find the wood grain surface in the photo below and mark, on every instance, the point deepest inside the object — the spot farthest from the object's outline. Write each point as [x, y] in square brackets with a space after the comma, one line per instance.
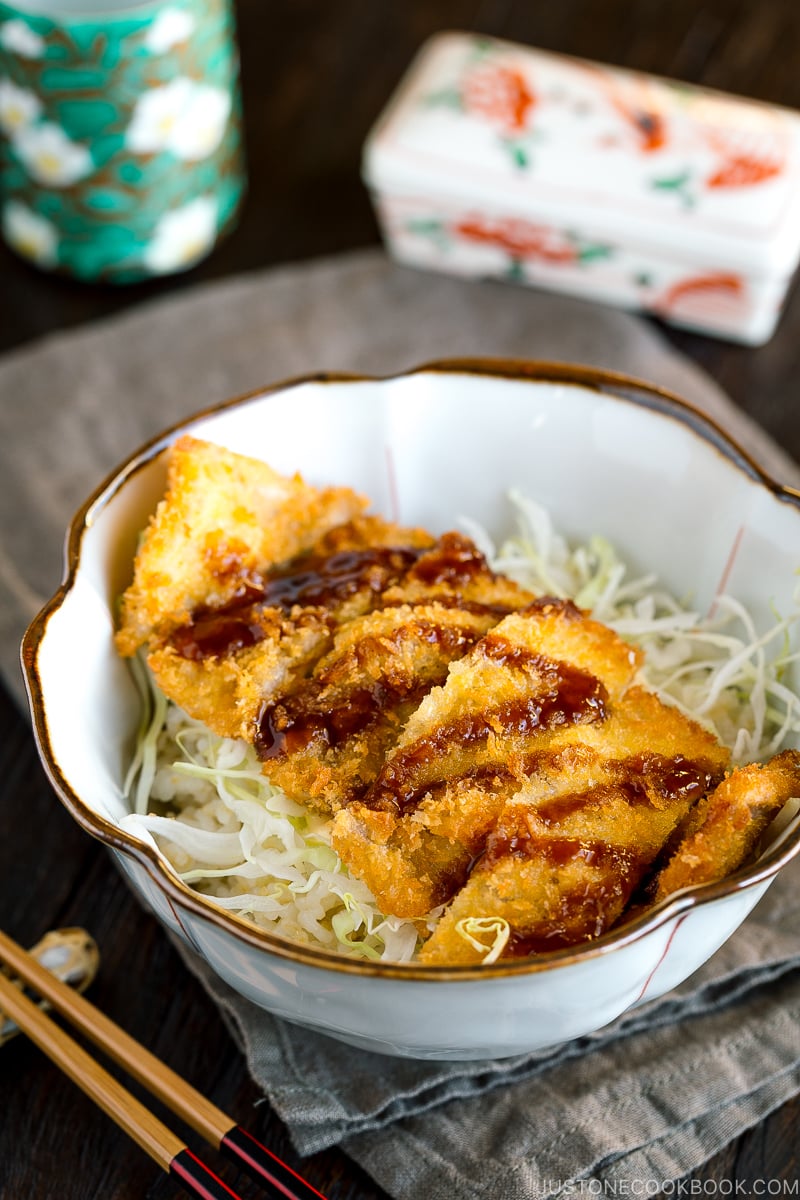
[315, 75]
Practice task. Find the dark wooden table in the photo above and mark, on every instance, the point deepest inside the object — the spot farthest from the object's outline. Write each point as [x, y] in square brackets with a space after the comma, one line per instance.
[315, 74]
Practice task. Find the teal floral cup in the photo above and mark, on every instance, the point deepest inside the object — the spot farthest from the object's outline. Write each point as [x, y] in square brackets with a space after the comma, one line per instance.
[120, 134]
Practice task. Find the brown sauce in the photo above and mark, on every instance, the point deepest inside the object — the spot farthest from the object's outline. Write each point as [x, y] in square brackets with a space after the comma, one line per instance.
[289, 727]
[556, 851]
[307, 581]
[582, 918]
[321, 582]
[673, 779]
[641, 779]
[456, 560]
[218, 635]
[554, 811]
[454, 600]
[526, 943]
[500, 650]
[582, 911]
[553, 604]
[573, 697]
[309, 714]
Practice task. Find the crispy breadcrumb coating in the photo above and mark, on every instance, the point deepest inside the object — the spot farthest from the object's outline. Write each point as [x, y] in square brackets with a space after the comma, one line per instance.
[225, 519]
[723, 830]
[478, 747]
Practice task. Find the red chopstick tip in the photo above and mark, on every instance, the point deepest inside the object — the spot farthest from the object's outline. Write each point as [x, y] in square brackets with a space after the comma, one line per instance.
[262, 1164]
[198, 1179]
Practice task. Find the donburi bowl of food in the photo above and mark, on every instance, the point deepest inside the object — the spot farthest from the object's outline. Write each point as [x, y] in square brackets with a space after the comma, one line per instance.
[451, 714]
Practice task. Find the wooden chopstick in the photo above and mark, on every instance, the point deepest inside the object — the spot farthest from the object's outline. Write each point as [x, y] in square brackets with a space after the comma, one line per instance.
[171, 1154]
[214, 1125]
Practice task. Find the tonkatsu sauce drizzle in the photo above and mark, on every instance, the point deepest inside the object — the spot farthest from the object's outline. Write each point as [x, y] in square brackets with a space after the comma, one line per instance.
[606, 877]
[308, 581]
[310, 713]
[567, 696]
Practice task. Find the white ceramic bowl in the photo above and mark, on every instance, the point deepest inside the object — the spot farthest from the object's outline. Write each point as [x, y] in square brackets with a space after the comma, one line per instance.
[605, 454]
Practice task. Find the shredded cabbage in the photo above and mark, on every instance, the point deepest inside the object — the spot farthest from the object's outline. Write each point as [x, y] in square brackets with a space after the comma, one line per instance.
[248, 845]
[718, 668]
[203, 801]
[473, 929]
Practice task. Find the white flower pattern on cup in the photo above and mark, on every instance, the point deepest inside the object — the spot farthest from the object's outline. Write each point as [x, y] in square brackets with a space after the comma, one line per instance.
[182, 236]
[202, 125]
[50, 157]
[32, 236]
[17, 36]
[19, 107]
[184, 117]
[171, 27]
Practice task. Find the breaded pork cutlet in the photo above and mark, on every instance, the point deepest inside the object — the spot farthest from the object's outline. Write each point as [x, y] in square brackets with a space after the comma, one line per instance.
[224, 521]
[572, 845]
[722, 832]
[455, 574]
[325, 740]
[227, 662]
[538, 683]
[241, 577]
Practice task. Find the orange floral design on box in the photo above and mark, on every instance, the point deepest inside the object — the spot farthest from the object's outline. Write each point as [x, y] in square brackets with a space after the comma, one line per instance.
[637, 102]
[526, 242]
[744, 171]
[500, 94]
[710, 295]
[522, 239]
[746, 159]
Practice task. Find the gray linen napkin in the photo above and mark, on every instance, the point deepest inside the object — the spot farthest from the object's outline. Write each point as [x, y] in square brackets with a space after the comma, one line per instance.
[654, 1095]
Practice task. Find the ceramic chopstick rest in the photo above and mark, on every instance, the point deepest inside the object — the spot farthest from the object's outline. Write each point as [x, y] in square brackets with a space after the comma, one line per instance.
[71, 955]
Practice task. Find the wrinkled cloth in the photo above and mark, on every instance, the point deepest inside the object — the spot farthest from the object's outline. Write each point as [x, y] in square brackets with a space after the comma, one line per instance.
[649, 1098]
[326, 1092]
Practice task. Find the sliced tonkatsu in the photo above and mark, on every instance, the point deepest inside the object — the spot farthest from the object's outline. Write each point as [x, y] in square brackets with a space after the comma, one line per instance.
[533, 687]
[226, 662]
[572, 845]
[487, 756]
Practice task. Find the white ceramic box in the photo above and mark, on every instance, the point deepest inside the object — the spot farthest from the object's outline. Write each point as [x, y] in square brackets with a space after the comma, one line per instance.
[496, 160]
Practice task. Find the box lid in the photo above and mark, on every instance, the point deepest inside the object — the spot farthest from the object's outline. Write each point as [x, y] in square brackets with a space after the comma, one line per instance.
[709, 176]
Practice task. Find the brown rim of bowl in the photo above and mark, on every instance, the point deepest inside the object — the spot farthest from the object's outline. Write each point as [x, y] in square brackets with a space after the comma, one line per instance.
[179, 894]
